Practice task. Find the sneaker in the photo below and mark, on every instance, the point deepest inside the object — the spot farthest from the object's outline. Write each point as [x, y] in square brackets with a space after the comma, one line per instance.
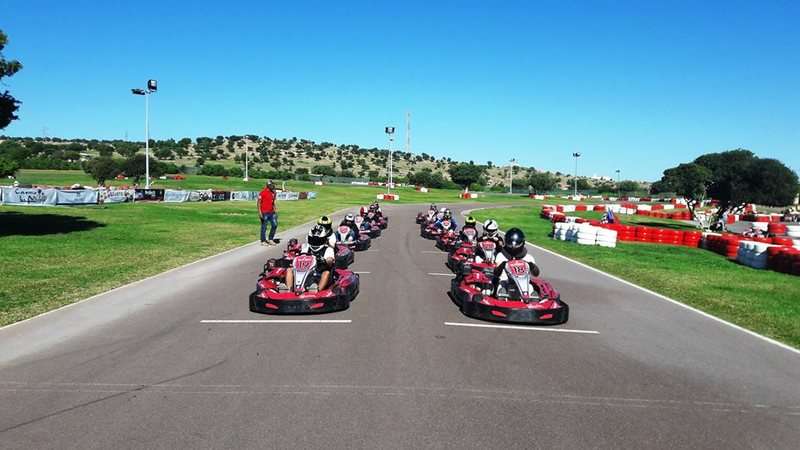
[272, 242]
[264, 243]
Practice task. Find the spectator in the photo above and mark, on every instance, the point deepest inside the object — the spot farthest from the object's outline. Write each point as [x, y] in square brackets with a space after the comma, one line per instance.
[267, 213]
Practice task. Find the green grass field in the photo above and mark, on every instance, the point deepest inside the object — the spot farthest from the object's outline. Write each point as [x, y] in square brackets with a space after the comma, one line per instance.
[763, 301]
[63, 254]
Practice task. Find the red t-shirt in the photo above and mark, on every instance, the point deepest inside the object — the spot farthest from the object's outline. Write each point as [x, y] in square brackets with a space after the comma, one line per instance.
[267, 201]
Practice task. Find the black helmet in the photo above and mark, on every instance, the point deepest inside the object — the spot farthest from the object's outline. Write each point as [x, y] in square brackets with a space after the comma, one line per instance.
[316, 238]
[470, 221]
[515, 242]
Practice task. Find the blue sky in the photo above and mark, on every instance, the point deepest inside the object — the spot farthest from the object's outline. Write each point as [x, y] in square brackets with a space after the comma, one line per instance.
[639, 86]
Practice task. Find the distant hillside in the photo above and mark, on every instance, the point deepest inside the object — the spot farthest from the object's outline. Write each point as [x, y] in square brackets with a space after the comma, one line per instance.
[291, 156]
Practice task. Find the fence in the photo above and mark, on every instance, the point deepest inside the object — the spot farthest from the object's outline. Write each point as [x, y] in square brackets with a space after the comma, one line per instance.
[20, 196]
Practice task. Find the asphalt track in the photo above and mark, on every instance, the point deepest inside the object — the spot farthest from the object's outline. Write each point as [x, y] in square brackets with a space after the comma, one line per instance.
[139, 368]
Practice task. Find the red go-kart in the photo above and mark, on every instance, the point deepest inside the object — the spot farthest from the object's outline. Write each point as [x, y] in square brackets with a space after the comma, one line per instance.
[431, 231]
[521, 298]
[304, 298]
[346, 236]
[463, 250]
[364, 226]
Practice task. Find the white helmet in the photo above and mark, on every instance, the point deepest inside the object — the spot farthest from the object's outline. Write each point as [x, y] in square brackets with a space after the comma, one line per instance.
[490, 227]
[442, 209]
[349, 217]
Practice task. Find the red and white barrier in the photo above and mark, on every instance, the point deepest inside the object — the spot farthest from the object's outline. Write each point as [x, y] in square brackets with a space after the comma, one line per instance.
[388, 197]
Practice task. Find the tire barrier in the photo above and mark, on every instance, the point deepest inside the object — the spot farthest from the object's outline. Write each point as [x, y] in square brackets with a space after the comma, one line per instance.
[585, 234]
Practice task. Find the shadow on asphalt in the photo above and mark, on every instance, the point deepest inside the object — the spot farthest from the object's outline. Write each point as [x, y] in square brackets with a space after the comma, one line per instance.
[13, 223]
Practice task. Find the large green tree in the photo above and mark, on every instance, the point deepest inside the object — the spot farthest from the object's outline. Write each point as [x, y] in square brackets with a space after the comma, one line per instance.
[690, 181]
[8, 167]
[464, 174]
[542, 182]
[628, 186]
[8, 104]
[102, 168]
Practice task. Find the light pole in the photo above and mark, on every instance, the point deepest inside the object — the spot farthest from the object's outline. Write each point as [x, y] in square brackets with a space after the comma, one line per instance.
[246, 162]
[152, 87]
[511, 176]
[576, 155]
[390, 134]
[619, 193]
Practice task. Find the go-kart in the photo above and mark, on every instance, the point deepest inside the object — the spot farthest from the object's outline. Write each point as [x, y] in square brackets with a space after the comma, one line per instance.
[377, 220]
[431, 231]
[305, 298]
[344, 256]
[348, 237]
[372, 231]
[451, 240]
[425, 217]
[464, 249]
[521, 298]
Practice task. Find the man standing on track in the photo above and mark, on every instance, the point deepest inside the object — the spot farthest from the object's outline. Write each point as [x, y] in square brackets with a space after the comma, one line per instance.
[267, 213]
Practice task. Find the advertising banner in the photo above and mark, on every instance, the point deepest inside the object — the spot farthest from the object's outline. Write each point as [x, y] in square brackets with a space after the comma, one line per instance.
[77, 197]
[175, 196]
[244, 195]
[29, 196]
[116, 195]
[200, 196]
[285, 195]
[220, 196]
[152, 195]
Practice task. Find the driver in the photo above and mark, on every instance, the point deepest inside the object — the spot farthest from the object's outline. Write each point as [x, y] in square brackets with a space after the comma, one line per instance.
[317, 246]
[350, 222]
[327, 225]
[447, 216]
[514, 248]
[491, 232]
[470, 222]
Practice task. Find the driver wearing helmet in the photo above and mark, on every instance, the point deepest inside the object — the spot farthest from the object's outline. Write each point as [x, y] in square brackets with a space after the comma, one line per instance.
[327, 225]
[317, 246]
[446, 216]
[350, 222]
[491, 232]
[514, 248]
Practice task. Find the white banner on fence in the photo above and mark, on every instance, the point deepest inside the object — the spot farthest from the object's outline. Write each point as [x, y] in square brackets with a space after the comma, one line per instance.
[29, 196]
[77, 197]
[285, 195]
[174, 196]
[311, 195]
[200, 196]
[116, 195]
[244, 195]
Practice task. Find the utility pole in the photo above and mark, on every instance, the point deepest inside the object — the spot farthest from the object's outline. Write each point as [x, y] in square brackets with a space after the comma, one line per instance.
[246, 161]
[619, 193]
[408, 132]
[511, 176]
[390, 133]
[576, 155]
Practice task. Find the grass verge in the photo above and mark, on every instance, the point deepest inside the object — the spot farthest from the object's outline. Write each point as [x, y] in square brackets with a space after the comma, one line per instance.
[763, 301]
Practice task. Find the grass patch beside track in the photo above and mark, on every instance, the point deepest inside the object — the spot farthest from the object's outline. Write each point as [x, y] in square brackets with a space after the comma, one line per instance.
[764, 301]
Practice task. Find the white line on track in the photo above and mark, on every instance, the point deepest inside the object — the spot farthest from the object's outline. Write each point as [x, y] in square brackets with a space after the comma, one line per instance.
[437, 274]
[303, 321]
[519, 327]
[362, 273]
[438, 252]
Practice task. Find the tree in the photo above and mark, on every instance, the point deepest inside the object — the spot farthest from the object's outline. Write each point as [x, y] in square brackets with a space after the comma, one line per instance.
[542, 182]
[691, 181]
[127, 149]
[738, 177]
[101, 169]
[324, 170]
[135, 167]
[104, 150]
[660, 187]
[8, 104]
[465, 174]
[583, 184]
[8, 167]
[628, 186]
